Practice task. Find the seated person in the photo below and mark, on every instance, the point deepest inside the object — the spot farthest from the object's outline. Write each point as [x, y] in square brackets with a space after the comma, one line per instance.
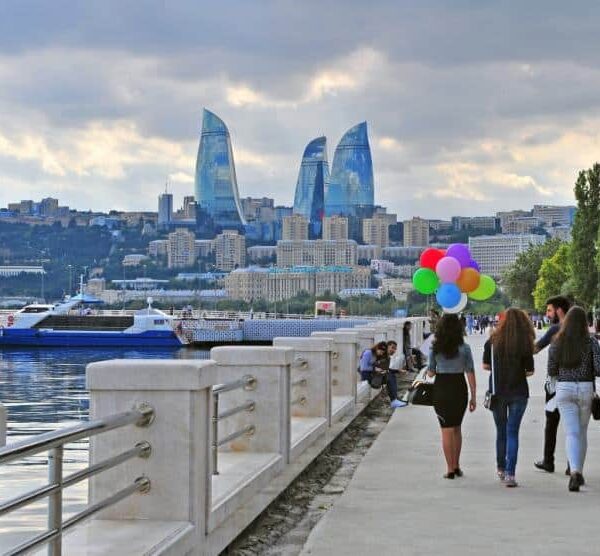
[377, 360]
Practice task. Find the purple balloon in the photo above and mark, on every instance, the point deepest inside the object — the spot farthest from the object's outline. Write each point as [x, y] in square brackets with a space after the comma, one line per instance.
[473, 264]
[460, 252]
[448, 269]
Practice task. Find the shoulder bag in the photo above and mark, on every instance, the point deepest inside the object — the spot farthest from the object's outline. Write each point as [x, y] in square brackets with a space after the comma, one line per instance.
[595, 398]
[420, 392]
[488, 401]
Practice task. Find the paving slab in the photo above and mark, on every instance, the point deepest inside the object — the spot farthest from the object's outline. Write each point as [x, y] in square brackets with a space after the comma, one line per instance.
[398, 502]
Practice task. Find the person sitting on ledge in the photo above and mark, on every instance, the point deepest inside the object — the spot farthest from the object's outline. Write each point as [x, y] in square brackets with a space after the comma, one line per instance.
[376, 360]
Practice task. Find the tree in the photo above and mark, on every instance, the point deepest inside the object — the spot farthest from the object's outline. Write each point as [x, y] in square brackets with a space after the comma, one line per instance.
[585, 235]
[553, 276]
[521, 277]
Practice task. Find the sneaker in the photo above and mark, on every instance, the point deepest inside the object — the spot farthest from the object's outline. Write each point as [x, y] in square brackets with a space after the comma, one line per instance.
[510, 482]
[398, 403]
[500, 474]
[574, 483]
[548, 467]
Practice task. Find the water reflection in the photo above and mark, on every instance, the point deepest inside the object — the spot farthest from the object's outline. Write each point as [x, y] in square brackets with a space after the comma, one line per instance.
[44, 389]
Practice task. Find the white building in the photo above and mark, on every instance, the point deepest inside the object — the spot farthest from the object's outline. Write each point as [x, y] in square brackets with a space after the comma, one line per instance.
[230, 247]
[552, 215]
[416, 232]
[376, 231]
[335, 227]
[261, 252]
[158, 248]
[181, 250]
[381, 266]
[318, 252]
[294, 227]
[8, 271]
[495, 253]
[134, 259]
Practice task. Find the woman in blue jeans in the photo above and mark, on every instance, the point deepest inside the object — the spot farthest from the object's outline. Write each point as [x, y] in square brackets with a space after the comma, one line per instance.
[510, 349]
[574, 359]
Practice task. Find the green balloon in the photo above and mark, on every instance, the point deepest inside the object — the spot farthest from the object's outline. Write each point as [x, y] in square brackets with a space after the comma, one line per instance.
[425, 281]
[485, 290]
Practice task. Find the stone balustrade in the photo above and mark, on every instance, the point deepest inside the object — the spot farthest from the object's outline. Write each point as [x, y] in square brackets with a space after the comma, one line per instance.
[2, 425]
[230, 434]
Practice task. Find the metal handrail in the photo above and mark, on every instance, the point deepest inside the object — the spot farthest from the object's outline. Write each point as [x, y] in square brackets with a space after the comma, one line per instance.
[53, 442]
[248, 383]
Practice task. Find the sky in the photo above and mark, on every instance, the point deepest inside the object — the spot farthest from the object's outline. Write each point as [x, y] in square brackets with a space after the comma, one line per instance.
[473, 106]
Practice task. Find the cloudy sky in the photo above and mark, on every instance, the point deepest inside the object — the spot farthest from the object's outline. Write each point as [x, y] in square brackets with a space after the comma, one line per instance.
[473, 106]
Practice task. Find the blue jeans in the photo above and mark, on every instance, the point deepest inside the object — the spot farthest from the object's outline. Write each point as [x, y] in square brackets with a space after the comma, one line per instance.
[574, 400]
[508, 413]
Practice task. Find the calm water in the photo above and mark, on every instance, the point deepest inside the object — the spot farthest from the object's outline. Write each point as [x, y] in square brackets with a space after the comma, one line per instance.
[44, 389]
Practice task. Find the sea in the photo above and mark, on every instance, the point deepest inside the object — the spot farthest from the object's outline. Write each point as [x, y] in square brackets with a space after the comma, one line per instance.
[44, 389]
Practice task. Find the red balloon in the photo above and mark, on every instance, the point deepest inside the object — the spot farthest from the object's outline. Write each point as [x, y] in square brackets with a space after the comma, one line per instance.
[430, 257]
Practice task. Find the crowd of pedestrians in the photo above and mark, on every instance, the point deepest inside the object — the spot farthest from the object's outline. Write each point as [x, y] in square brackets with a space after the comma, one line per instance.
[573, 364]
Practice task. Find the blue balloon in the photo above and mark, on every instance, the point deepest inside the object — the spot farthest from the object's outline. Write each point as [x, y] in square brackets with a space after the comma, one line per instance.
[448, 295]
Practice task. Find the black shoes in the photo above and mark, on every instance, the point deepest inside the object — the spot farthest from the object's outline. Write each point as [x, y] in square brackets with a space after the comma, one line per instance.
[548, 467]
[575, 482]
[458, 472]
[450, 475]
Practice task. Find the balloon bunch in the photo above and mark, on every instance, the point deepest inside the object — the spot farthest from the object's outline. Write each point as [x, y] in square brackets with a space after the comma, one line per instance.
[453, 276]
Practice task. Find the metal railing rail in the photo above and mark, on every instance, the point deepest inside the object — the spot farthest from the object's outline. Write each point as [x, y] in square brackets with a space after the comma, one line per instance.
[53, 442]
[248, 383]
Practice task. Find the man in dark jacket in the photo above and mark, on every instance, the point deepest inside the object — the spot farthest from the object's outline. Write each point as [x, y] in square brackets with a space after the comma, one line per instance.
[556, 309]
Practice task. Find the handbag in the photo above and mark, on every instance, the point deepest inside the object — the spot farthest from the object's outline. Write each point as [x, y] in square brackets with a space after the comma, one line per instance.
[420, 392]
[377, 379]
[488, 401]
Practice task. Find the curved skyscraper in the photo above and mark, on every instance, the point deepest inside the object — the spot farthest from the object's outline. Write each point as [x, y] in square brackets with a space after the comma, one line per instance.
[216, 185]
[312, 181]
[350, 187]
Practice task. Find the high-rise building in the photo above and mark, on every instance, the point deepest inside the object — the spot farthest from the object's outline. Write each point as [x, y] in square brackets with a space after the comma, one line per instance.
[254, 209]
[230, 248]
[376, 231]
[495, 253]
[351, 182]
[335, 227]
[165, 209]
[294, 227]
[181, 252]
[189, 207]
[216, 183]
[416, 232]
[309, 200]
[317, 252]
[555, 215]
[48, 206]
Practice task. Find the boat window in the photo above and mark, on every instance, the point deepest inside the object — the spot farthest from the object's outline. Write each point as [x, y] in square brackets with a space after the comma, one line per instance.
[34, 310]
[159, 321]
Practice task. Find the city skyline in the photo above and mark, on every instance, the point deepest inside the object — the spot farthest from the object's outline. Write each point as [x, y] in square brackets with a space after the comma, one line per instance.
[467, 104]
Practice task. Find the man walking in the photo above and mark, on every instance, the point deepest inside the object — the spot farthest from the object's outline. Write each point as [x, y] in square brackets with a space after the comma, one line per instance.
[556, 309]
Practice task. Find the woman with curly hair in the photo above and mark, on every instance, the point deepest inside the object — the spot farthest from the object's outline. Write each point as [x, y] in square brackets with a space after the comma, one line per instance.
[450, 360]
[508, 354]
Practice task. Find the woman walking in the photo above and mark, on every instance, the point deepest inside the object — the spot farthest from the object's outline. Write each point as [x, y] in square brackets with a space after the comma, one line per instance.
[574, 359]
[508, 354]
[450, 359]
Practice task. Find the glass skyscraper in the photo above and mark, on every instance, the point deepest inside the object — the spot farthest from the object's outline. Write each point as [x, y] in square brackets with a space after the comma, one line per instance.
[312, 181]
[350, 187]
[216, 184]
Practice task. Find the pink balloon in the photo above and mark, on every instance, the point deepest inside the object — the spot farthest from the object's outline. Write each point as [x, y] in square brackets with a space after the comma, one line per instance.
[448, 269]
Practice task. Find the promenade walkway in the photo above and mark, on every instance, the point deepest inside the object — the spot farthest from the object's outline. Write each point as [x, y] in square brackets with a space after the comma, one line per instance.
[398, 502]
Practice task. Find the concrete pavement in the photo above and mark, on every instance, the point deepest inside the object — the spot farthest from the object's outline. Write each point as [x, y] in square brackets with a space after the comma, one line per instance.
[398, 502]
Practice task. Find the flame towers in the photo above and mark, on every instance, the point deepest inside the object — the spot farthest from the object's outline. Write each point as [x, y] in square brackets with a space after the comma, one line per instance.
[309, 200]
[350, 188]
[216, 184]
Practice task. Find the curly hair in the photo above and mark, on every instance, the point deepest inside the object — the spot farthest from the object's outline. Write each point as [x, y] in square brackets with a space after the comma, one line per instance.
[514, 335]
[448, 336]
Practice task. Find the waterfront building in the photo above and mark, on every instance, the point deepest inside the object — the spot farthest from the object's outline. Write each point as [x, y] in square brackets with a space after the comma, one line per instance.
[165, 209]
[555, 215]
[416, 232]
[376, 230]
[294, 227]
[335, 227]
[317, 252]
[313, 177]
[217, 194]
[351, 183]
[181, 249]
[277, 284]
[230, 249]
[496, 253]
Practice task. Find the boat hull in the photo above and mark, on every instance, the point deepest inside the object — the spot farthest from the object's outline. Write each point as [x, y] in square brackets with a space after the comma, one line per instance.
[84, 338]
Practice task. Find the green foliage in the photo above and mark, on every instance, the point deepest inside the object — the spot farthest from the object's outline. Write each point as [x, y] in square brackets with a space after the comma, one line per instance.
[585, 235]
[553, 276]
[520, 278]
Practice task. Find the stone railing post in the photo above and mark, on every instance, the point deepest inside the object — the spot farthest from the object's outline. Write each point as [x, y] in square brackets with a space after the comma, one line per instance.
[178, 467]
[310, 376]
[2, 425]
[270, 417]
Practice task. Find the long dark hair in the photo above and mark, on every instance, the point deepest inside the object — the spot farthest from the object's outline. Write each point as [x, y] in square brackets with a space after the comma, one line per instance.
[448, 336]
[572, 339]
[514, 336]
